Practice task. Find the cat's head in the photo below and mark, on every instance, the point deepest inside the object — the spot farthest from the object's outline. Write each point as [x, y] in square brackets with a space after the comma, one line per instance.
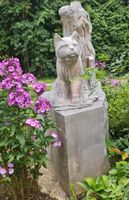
[67, 47]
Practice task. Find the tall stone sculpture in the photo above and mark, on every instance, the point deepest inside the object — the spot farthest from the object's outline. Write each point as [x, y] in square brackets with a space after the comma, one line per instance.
[75, 18]
[79, 105]
[74, 53]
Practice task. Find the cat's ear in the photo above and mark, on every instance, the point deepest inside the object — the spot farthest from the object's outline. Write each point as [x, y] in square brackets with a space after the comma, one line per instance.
[75, 35]
[57, 39]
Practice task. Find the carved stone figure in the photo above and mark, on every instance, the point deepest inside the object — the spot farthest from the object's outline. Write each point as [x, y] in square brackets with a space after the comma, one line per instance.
[74, 53]
[69, 68]
[75, 18]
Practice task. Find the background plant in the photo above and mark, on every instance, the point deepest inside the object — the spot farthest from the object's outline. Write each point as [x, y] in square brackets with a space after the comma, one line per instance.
[27, 28]
[117, 93]
[114, 186]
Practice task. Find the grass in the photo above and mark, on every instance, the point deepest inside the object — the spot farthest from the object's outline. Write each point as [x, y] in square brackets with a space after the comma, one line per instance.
[49, 87]
[47, 80]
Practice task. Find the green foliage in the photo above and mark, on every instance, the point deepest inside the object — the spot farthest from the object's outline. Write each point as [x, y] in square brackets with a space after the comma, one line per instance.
[117, 94]
[118, 108]
[27, 28]
[121, 143]
[90, 72]
[110, 32]
[114, 186]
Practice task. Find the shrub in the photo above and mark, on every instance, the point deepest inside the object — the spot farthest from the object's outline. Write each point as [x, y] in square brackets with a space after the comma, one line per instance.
[27, 28]
[117, 94]
[24, 124]
[114, 186]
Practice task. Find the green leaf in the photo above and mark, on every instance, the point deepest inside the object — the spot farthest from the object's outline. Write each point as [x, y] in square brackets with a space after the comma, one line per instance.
[19, 156]
[4, 144]
[90, 181]
[73, 192]
[13, 131]
[11, 158]
[83, 186]
[21, 139]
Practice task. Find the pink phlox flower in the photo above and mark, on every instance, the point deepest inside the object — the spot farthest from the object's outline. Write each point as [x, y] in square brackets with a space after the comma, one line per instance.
[115, 82]
[9, 66]
[39, 87]
[64, 195]
[57, 142]
[12, 81]
[28, 78]
[3, 171]
[20, 98]
[11, 165]
[11, 69]
[33, 123]
[11, 171]
[7, 83]
[16, 77]
[1, 69]
[11, 99]
[54, 135]
[100, 65]
[33, 137]
[42, 105]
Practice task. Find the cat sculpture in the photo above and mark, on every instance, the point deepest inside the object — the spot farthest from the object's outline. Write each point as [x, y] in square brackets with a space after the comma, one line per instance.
[69, 69]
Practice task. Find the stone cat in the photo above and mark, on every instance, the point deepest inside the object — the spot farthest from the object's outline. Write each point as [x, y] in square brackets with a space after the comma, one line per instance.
[69, 68]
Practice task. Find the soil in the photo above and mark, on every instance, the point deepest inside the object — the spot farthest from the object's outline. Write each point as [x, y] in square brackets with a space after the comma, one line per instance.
[43, 197]
[50, 188]
[38, 196]
[49, 184]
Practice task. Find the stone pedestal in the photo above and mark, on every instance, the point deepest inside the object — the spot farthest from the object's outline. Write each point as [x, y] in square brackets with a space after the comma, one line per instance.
[83, 150]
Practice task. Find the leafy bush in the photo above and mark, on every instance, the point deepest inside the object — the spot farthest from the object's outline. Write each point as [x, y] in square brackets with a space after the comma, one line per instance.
[24, 124]
[27, 28]
[118, 107]
[114, 186]
[117, 94]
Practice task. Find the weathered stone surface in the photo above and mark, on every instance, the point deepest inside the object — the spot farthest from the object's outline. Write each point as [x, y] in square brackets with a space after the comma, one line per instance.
[75, 18]
[69, 70]
[83, 150]
[74, 53]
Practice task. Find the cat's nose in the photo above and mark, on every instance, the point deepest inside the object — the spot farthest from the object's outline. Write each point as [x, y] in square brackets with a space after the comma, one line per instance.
[72, 47]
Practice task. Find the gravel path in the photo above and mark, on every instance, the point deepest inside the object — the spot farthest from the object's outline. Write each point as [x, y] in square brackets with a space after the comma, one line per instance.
[50, 185]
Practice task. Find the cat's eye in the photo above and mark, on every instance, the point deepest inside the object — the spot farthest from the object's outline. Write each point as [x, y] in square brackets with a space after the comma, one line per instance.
[75, 44]
[63, 46]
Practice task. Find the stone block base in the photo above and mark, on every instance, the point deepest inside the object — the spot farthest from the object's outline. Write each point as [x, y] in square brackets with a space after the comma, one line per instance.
[83, 151]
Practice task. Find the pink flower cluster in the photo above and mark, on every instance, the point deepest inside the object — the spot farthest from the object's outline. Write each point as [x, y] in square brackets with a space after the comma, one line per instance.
[20, 98]
[28, 78]
[8, 170]
[115, 82]
[57, 142]
[33, 123]
[39, 88]
[10, 66]
[100, 65]
[42, 105]
[12, 81]
[15, 81]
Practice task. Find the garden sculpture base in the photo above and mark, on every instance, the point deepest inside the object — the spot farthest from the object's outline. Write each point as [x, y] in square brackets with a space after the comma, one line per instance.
[83, 151]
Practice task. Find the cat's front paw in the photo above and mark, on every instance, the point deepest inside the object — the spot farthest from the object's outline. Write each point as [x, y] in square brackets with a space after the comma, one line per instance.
[76, 100]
